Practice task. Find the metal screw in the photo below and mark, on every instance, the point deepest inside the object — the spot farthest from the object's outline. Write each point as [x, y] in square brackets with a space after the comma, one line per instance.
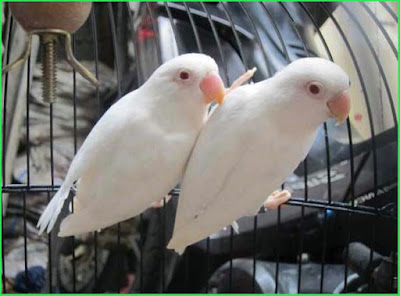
[48, 39]
[49, 76]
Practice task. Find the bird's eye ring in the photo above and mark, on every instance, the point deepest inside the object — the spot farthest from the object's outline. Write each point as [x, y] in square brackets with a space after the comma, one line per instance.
[184, 75]
[314, 89]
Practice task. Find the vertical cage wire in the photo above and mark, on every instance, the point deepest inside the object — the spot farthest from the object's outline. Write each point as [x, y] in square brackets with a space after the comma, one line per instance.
[28, 73]
[99, 113]
[118, 73]
[117, 68]
[162, 234]
[381, 28]
[386, 84]
[139, 83]
[50, 270]
[305, 171]
[6, 59]
[186, 258]
[391, 12]
[74, 106]
[375, 58]
[305, 165]
[374, 157]
[225, 70]
[25, 238]
[323, 206]
[257, 35]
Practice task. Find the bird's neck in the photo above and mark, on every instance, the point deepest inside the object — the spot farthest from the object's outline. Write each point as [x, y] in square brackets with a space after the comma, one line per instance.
[297, 118]
[173, 114]
[186, 117]
[293, 115]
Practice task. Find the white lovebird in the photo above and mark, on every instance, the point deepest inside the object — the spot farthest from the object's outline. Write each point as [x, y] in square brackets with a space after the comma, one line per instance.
[138, 150]
[253, 142]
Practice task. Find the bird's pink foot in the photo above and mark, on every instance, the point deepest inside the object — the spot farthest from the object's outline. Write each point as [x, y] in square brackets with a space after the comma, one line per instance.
[130, 281]
[276, 199]
[159, 203]
[246, 76]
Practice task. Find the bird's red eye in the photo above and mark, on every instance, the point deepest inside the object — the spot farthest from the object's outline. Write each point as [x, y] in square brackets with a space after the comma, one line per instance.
[314, 89]
[184, 75]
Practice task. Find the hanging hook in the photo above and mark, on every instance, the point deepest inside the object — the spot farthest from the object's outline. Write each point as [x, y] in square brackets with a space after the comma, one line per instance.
[75, 64]
[21, 59]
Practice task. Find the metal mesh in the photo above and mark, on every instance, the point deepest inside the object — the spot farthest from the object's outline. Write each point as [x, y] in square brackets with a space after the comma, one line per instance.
[189, 23]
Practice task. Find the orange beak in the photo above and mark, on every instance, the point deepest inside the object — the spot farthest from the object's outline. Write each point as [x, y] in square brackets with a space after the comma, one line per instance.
[213, 88]
[339, 106]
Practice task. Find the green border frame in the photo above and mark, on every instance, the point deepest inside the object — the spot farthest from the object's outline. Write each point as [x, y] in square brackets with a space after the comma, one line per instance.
[1, 120]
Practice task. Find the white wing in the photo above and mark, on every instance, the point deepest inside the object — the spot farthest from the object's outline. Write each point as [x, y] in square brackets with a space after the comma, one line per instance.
[239, 158]
[96, 143]
[124, 164]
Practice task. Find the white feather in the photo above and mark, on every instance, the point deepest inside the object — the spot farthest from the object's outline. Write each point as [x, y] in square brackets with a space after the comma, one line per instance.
[136, 153]
[247, 149]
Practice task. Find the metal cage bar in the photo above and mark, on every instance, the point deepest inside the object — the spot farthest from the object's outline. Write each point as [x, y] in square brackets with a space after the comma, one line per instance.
[6, 58]
[93, 26]
[225, 69]
[388, 9]
[376, 59]
[381, 28]
[325, 129]
[75, 151]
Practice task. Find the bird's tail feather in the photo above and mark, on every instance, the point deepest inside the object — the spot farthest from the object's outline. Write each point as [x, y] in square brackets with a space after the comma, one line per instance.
[53, 209]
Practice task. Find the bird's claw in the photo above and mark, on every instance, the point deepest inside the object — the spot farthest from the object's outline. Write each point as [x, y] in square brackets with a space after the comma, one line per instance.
[276, 199]
[246, 76]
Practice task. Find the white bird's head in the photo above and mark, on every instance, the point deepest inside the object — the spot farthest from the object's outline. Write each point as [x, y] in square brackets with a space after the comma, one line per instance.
[320, 88]
[192, 76]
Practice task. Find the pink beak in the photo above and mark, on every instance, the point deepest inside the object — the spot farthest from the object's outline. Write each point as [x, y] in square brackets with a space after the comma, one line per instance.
[213, 88]
[339, 106]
